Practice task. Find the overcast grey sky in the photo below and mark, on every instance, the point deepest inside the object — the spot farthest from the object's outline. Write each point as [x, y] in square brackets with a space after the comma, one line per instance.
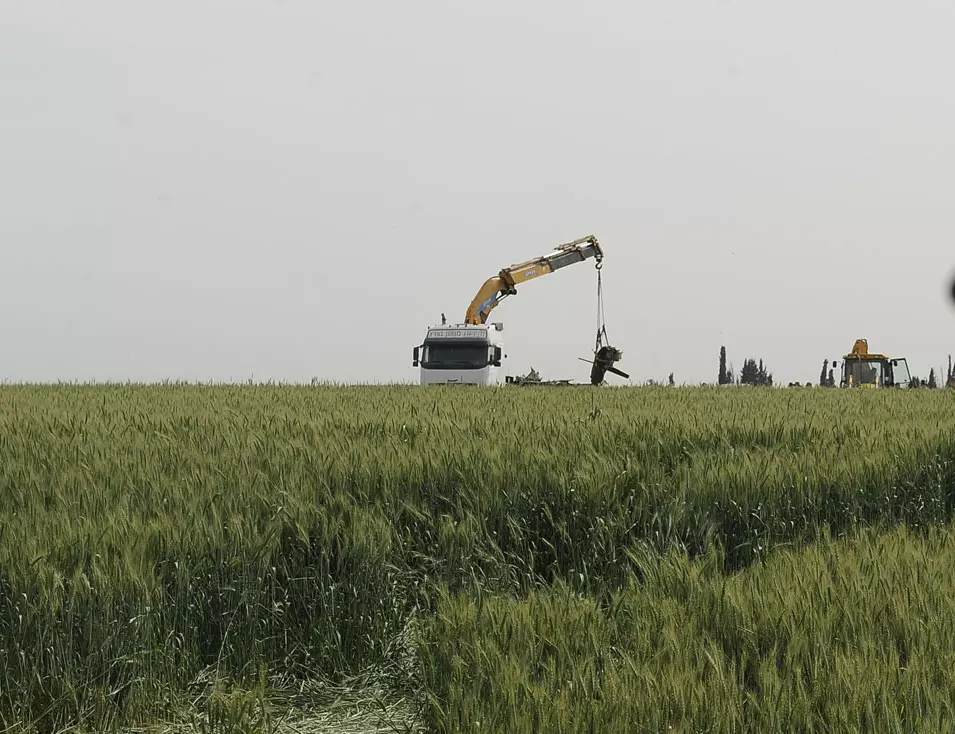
[286, 189]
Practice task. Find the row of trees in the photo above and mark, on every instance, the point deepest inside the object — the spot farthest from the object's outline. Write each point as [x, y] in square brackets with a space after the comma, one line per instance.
[756, 373]
[753, 373]
[932, 381]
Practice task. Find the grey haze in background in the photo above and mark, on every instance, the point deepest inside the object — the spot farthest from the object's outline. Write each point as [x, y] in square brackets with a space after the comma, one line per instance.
[288, 189]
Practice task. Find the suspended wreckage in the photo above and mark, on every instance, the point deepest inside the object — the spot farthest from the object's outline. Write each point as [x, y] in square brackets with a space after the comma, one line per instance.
[605, 355]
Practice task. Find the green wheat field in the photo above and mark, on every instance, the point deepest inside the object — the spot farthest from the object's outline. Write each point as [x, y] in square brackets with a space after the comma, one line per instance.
[330, 558]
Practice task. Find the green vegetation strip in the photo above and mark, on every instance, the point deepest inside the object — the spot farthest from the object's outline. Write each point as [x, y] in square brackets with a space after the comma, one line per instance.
[857, 637]
[152, 538]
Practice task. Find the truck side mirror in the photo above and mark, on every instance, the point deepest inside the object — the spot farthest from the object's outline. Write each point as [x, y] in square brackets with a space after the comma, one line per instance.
[415, 362]
[496, 359]
[834, 364]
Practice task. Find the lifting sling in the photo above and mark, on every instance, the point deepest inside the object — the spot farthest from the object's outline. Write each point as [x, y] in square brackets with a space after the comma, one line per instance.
[605, 355]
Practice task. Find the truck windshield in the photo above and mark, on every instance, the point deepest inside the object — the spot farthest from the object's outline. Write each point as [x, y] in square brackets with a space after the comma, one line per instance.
[459, 354]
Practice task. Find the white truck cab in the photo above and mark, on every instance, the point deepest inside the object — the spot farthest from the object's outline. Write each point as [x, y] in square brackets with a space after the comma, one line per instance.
[462, 354]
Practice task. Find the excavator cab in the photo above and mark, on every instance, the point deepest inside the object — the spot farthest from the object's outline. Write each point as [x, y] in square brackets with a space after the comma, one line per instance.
[862, 368]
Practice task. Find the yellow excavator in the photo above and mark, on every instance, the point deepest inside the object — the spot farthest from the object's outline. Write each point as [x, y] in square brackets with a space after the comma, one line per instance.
[862, 368]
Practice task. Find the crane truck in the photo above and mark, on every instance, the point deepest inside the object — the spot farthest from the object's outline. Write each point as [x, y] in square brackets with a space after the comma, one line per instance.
[471, 353]
[862, 368]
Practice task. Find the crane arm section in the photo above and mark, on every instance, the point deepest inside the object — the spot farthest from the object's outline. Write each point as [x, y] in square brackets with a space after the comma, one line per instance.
[505, 283]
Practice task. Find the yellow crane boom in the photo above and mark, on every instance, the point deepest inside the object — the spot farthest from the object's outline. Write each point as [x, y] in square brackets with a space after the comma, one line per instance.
[504, 284]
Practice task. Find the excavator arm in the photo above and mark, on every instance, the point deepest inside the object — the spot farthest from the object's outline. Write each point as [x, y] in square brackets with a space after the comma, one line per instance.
[505, 283]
